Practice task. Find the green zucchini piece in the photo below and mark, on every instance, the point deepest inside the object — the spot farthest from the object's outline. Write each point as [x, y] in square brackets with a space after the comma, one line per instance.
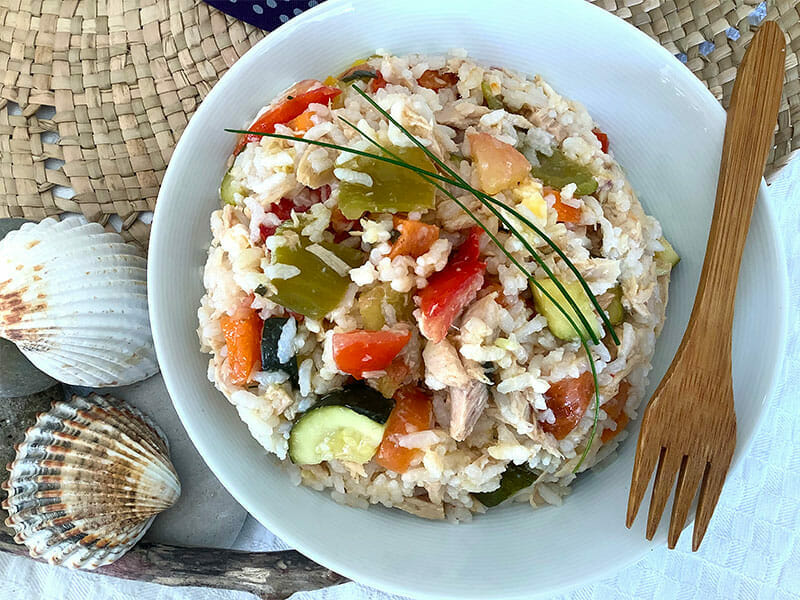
[334, 433]
[370, 306]
[558, 324]
[394, 189]
[270, 336]
[666, 258]
[514, 479]
[362, 399]
[228, 188]
[359, 75]
[492, 101]
[557, 170]
[615, 310]
[317, 289]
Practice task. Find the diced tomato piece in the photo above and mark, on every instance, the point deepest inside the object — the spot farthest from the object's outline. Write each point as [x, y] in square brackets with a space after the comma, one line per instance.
[565, 212]
[451, 289]
[568, 399]
[416, 238]
[498, 165]
[341, 225]
[302, 123]
[437, 80]
[243, 340]
[470, 249]
[297, 316]
[602, 137]
[412, 412]
[295, 103]
[615, 409]
[360, 351]
[377, 83]
[282, 210]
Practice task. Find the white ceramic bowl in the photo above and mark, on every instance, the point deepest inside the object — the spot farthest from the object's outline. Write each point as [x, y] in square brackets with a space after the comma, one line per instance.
[665, 128]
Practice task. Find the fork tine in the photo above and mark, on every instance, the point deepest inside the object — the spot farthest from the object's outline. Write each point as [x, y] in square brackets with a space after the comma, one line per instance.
[709, 494]
[689, 477]
[662, 487]
[646, 457]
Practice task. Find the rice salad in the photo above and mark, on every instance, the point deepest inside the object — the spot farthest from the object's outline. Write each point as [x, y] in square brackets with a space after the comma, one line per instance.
[376, 340]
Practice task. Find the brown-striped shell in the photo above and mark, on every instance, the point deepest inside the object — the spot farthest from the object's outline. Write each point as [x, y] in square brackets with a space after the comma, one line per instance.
[73, 298]
[87, 481]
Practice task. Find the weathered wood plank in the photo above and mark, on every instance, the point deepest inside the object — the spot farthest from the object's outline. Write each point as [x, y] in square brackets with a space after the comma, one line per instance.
[268, 575]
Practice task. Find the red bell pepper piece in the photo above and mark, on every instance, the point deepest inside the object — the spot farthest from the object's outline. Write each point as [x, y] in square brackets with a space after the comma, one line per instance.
[602, 137]
[377, 82]
[282, 210]
[361, 351]
[451, 289]
[295, 103]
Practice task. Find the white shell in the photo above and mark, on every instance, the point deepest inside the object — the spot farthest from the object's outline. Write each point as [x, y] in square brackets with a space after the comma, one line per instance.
[87, 482]
[73, 298]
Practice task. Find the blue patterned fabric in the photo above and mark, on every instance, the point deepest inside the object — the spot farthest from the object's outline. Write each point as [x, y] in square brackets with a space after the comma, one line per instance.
[265, 14]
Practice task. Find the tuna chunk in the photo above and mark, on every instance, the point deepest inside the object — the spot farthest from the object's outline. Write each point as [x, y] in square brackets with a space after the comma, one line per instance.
[443, 367]
[466, 405]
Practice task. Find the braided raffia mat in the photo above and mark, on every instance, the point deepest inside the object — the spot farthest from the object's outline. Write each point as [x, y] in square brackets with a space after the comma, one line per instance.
[687, 26]
[124, 77]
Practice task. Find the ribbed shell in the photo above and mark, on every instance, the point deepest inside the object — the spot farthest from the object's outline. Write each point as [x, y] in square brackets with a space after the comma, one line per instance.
[87, 482]
[73, 298]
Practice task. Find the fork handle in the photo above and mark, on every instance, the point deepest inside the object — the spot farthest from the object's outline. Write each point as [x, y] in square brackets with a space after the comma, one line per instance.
[752, 117]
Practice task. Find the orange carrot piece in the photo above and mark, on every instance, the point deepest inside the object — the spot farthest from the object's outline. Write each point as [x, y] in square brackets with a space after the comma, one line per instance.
[303, 122]
[616, 410]
[566, 213]
[243, 340]
[416, 238]
[412, 412]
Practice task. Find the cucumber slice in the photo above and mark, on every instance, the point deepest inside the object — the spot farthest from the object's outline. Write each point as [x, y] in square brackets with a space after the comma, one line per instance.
[666, 258]
[556, 322]
[334, 432]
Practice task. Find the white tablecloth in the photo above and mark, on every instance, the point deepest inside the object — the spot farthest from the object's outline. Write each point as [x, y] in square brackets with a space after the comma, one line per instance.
[751, 550]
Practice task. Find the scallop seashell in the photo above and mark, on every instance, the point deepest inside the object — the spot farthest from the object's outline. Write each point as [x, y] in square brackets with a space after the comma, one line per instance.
[73, 298]
[87, 482]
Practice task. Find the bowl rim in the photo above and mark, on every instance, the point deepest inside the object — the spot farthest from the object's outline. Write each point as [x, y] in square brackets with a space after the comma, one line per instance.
[330, 559]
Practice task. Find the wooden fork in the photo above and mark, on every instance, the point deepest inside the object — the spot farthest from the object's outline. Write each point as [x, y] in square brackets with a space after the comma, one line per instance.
[689, 427]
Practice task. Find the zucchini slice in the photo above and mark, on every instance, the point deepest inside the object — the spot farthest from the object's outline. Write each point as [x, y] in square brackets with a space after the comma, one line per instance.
[514, 479]
[666, 258]
[334, 432]
[558, 324]
[346, 424]
[228, 188]
[615, 310]
[271, 352]
[362, 399]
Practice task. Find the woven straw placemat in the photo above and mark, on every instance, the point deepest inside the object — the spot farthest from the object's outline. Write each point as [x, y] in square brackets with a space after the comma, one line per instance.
[125, 76]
